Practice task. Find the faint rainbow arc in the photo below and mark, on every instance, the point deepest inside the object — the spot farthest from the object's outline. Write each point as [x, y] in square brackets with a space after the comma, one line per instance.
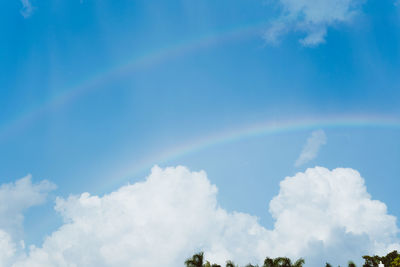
[260, 129]
[143, 61]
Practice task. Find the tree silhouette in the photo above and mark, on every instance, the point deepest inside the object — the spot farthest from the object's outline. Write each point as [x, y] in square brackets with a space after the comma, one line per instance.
[230, 264]
[196, 260]
[373, 261]
[282, 262]
[208, 264]
[392, 259]
[299, 263]
[269, 262]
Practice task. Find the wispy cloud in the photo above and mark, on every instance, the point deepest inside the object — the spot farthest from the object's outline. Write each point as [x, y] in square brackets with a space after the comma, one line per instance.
[27, 8]
[311, 148]
[311, 17]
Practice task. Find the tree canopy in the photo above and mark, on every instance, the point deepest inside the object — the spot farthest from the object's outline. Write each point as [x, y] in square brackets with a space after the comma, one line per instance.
[392, 259]
[373, 261]
[197, 261]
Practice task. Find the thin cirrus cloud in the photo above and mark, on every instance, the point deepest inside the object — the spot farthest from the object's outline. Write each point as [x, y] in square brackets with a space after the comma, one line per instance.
[313, 18]
[27, 8]
[311, 148]
[320, 214]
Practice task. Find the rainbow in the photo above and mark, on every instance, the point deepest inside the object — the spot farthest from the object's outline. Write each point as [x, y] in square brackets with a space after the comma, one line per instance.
[139, 62]
[265, 128]
[165, 53]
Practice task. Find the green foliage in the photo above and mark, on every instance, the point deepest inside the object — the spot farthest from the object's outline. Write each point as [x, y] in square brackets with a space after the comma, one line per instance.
[299, 263]
[195, 261]
[373, 261]
[285, 262]
[230, 264]
[392, 259]
[208, 264]
[389, 258]
[268, 262]
[395, 262]
[282, 262]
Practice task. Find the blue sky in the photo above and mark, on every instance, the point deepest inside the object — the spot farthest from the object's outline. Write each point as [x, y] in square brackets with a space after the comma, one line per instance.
[95, 93]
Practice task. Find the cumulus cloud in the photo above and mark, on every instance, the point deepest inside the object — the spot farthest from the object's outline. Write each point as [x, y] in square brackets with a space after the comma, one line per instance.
[311, 148]
[331, 211]
[173, 213]
[15, 198]
[159, 222]
[7, 249]
[27, 8]
[312, 18]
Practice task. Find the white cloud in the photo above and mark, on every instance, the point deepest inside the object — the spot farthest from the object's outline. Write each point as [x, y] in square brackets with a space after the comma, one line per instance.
[7, 249]
[27, 8]
[330, 215]
[15, 198]
[158, 222]
[312, 17]
[311, 148]
[318, 214]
